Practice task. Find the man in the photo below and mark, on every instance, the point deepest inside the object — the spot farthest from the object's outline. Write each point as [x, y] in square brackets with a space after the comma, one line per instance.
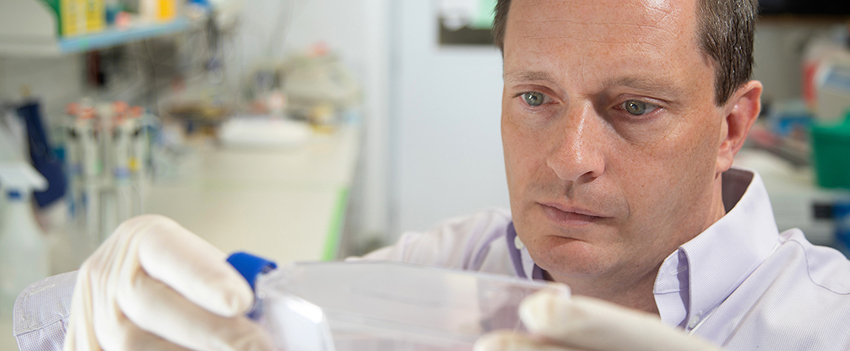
[620, 120]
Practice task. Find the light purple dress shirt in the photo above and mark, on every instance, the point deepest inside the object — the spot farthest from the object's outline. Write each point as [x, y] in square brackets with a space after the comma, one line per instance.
[740, 284]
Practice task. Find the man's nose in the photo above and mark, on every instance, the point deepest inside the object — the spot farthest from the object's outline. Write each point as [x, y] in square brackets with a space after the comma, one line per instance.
[576, 151]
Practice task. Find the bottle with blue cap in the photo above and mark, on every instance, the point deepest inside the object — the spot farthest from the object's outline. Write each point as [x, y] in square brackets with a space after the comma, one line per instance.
[23, 248]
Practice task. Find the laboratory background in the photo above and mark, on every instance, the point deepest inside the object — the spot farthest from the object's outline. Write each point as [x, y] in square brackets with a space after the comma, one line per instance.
[322, 129]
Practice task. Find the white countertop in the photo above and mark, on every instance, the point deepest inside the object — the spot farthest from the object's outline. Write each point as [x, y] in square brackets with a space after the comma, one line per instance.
[282, 204]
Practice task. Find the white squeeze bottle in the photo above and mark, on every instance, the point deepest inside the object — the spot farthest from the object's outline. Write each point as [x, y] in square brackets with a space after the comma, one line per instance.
[23, 246]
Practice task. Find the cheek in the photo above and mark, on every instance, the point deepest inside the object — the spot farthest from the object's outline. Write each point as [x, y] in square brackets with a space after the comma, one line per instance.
[696, 156]
[524, 153]
[670, 175]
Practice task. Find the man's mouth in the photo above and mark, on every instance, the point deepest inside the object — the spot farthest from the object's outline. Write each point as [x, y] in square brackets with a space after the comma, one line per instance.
[570, 215]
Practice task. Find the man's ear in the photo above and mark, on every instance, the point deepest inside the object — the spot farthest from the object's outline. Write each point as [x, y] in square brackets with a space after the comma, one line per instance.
[741, 111]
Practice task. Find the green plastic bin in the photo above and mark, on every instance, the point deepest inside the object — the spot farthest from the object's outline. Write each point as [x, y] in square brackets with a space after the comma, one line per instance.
[831, 153]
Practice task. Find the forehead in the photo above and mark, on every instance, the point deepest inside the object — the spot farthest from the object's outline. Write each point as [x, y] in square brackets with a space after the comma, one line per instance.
[602, 36]
[603, 18]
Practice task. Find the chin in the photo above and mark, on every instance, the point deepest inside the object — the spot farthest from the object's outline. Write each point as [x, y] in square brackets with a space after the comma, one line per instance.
[568, 257]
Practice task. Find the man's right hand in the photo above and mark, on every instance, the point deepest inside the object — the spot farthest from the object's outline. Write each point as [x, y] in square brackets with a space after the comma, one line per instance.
[153, 285]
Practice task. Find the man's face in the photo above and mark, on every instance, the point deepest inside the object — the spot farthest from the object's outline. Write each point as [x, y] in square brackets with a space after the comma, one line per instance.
[610, 133]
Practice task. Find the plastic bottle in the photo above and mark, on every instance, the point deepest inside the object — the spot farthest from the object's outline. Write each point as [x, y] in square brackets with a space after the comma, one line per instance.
[122, 145]
[157, 10]
[92, 166]
[71, 14]
[139, 157]
[95, 14]
[23, 246]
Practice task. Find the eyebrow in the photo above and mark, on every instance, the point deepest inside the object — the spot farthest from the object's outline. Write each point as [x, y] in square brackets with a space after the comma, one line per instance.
[520, 76]
[643, 84]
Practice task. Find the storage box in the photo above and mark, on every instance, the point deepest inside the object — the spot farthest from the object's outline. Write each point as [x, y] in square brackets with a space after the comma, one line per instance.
[368, 305]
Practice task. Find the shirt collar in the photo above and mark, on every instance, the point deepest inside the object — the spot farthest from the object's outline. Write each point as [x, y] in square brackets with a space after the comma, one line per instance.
[703, 272]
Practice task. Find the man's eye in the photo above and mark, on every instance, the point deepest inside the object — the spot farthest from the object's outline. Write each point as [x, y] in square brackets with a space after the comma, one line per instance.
[533, 98]
[637, 107]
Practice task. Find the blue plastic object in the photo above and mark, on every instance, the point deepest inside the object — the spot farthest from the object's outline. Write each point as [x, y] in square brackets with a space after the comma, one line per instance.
[250, 266]
[42, 156]
[841, 216]
[14, 195]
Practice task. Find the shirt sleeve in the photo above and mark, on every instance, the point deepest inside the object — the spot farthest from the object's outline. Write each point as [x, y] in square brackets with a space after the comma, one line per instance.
[41, 313]
[461, 243]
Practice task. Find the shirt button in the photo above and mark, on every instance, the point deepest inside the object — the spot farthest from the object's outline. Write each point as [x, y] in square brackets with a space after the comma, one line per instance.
[518, 243]
[693, 322]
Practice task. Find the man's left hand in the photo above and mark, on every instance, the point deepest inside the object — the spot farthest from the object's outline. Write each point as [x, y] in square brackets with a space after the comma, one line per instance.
[557, 322]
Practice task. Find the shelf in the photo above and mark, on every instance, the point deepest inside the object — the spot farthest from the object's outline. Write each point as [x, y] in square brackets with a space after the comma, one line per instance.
[112, 37]
[107, 38]
[28, 28]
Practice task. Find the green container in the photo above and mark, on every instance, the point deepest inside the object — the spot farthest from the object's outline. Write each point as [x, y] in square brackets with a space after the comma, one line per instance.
[831, 153]
[56, 8]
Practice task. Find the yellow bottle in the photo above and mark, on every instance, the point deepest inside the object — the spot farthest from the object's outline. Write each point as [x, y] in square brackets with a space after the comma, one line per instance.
[158, 10]
[95, 14]
[167, 10]
[72, 17]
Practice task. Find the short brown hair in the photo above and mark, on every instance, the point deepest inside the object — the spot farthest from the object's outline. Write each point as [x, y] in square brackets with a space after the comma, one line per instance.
[726, 35]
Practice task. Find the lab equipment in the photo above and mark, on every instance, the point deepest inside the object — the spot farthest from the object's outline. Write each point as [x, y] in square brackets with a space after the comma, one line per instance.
[12, 137]
[23, 249]
[825, 79]
[318, 80]
[122, 149]
[139, 154]
[833, 91]
[375, 305]
[107, 151]
[92, 167]
[263, 132]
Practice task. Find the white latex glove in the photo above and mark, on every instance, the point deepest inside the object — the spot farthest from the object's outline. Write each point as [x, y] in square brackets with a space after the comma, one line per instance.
[562, 323]
[153, 285]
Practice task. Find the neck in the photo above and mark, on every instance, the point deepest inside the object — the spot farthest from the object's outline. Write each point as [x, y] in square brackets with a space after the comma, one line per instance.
[635, 294]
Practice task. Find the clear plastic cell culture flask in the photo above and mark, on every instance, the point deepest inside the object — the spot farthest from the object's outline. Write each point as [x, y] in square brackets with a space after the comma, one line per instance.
[376, 305]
